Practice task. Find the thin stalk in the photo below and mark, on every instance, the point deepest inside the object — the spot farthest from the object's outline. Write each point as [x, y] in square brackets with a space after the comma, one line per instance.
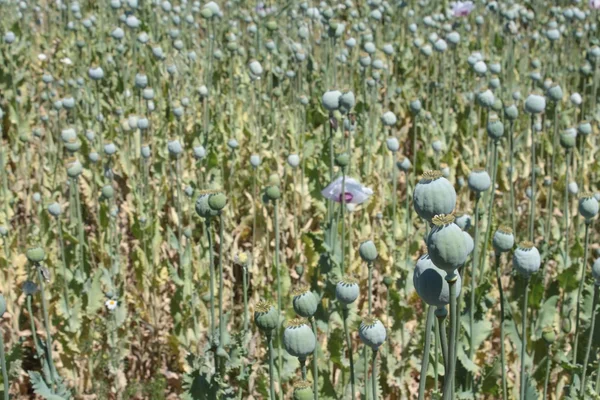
[441, 318]
[179, 214]
[448, 391]
[276, 223]
[589, 343]
[4, 371]
[303, 367]
[547, 378]
[61, 244]
[474, 261]
[436, 352]
[425, 360]
[271, 367]
[502, 351]
[552, 168]
[245, 283]
[350, 357]
[315, 361]
[211, 267]
[524, 338]
[38, 350]
[342, 214]
[532, 211]
[580, 290]
[221, 245]
[370, 293]
[374, 379]
[488, 228]
[510, 176]
[566, 210]
[394, 189]
[79, 223]
[46, 325]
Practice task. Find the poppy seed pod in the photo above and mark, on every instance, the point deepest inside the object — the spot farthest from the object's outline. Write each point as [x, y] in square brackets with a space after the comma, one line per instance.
[74, 168]
[347, 290]
[576, 99]
[174, 147]
[584, 128]
[430, 283]
[255, 68]
[392, 144]
[110, 149]
[485, 98]
[573, 188]
[389, 119]
[596, 271]
[35, 255]
[255, 160]
[446, 244]
[480, 68]
[368, 251]
[470, 242]
[54, 209]
[293, 160]
[299, 339]
[107, 192]
[266, 317]
[434, 195]
[342, 160]
[588, 206]
[503, 239]
[495, 127]
[555, 92]
[347, 101]
[145, 151]
[217, 201]
[463, 221]
[203, 209]
[273, 193]
[415, 106]
[526, 259]
[233, 144]
[331, 100]
[511, 112]
[403, 163]
[303, 391]
[568, 138]
[96, 73]
[73, 145]
[305, 302]
[479, 180]
[535, 104]
[372, 332]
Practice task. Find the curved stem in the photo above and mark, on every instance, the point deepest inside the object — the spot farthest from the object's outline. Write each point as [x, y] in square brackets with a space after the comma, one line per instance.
[426, 348]
[580, 290]
[502, 350]
[589, 343]
[510, 177]
[448, 393]
[524, 338]
[350, 357]
[315, 361]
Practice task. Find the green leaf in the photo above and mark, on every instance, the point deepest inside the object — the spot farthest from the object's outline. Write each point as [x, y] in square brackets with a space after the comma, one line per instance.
[41, 388]
[546, 315]
[94, 294]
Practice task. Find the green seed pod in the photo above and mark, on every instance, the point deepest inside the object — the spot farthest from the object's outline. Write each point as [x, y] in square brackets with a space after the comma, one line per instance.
[73, 145]
[485, 98]
[568, 138]
[446, 244]
[463, 221]
[511, 112]
[35, 255]
[388, 281]
[526, 259]
[107, 192]
[274, 180]
[535, 104]
[203, 209]
[29, 288]
[266, 317]
[305, 302]
[415, 106]
[372, 332]
[273, 193]
[548, 335]
[347, 290]
[495, 127]
[434, 195]
[430, 282]
[331, 100]
[217, 201]
[54, 209]
[403, 163]
[479, 180]
[584, 128]
[342, 160]
[271, 25]
[368, 251]
[74, 168]
[389, 119]
[566, 325]
[555, 92]
[303, 391]
[299, 339]
[503, 239]
[588, 206]
[299, 270]
[596, 271]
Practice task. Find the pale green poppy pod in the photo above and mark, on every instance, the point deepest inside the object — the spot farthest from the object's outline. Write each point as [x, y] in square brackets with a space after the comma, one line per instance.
[372, 332]
[347, 101]
[368, 251]
[495, 127]
[479, 180]
[584, 128]
[526, 259]
[434, 195]
[463, 221]
[389, 119]
[485, 98]
[535, 104]
[568, 138]
[430, 283]
[403, 163]
[588, 206]
[217, 201]
[470, 242]
[74, 168]
[415, 106]
[203, 209]
[392, 144]
[54, 209]
[266, 317]
[299, 339]
[331, 100]
[35, 255]
[596, 271]
[305, 302]
[503, 239]
[303, 391]
[446, 244]
[347, 290]
[511, 112]
[555, 92]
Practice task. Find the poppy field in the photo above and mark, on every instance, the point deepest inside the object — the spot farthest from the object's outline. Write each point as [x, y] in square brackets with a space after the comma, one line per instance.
[359, 199]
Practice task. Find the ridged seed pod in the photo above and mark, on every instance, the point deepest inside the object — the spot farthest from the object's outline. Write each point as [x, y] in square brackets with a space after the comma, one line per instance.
[203, 209]
[347, 290]
[588, 206]
[368, 251]
[430, 283]
[434, 195]
[299, 339]
[35, 255]
[266, 317]
[303, 391]
[503, 239]
[479, 180]
[446, 244]
[526, 259]
[463, 221]
[372, 332]
[568, 138]
[305, 302]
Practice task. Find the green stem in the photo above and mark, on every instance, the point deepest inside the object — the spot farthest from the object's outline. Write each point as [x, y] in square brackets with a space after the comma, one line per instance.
[279, 307]
[303, 367]
[566, 210]
[221, 245]
[473, 280]
[36, 342]
[79, 224]
[441, 314]
[580, 290]
[179, 214]
[245, 283]
[510, 176]
[394, 189]
[211, 267]
[342, 216]
[370, 293]
[271, 367]
[524, 338]
[426, 348]
[589, 343]
[46, 325]
[4, 371]
[61, 244]
[502, 351]
[552, 168]
[350, 356]
[315, 362]
[374, 379]
[532, 213]
[547, 378]
[488, 228]
[448, 393]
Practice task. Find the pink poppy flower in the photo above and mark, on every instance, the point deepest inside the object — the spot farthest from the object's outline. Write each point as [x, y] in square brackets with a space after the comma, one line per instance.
[354, 192]
[462, 8]
[595, 4]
